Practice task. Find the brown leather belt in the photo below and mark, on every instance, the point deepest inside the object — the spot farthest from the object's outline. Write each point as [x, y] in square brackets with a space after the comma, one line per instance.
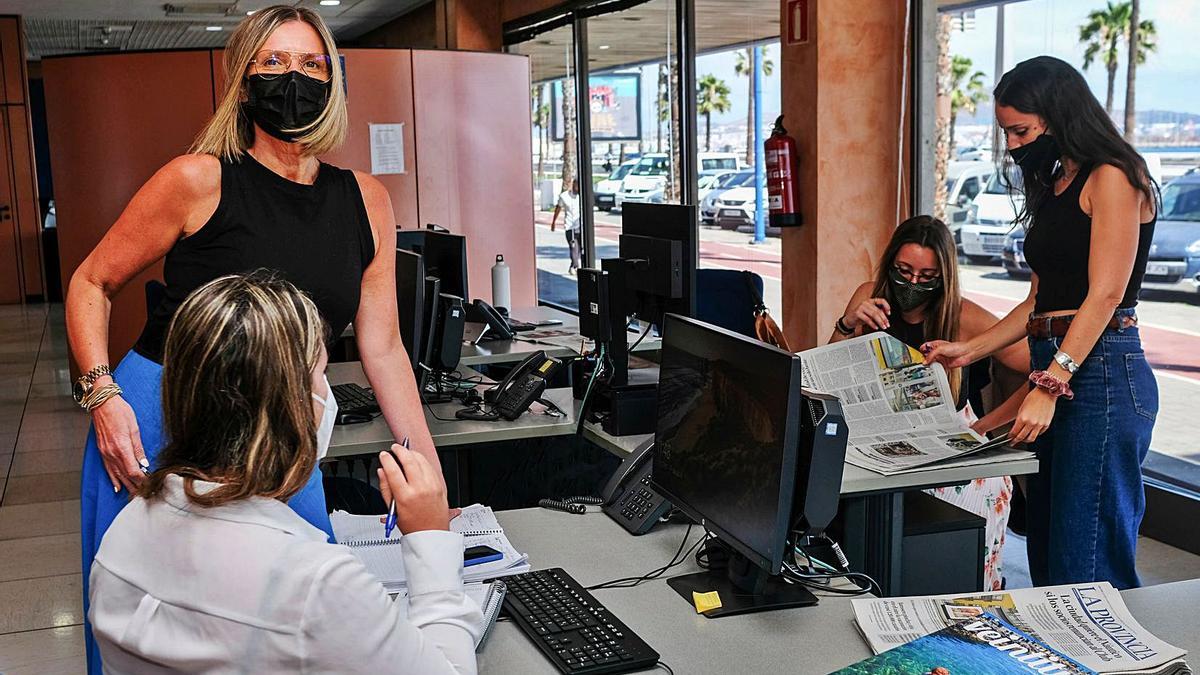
[1056, 326]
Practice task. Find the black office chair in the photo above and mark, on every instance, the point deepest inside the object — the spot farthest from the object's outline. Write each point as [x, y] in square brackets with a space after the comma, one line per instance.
[724, 298]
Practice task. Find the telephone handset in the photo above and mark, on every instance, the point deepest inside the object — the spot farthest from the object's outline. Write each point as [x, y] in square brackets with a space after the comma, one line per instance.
[524, 384]
[498, 327]
[628, 497]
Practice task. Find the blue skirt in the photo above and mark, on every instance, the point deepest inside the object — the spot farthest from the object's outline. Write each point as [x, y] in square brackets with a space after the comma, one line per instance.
[141, 382]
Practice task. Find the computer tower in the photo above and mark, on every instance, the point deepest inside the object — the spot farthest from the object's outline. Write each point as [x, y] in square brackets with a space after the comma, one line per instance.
[448, 336]
[819, 471]
[594, 319]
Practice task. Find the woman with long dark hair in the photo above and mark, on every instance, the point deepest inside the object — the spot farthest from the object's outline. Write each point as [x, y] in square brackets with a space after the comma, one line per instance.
[1090, 207]
[915, 297]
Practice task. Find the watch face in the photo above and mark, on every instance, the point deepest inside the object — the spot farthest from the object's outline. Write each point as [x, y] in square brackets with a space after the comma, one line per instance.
[78, 391]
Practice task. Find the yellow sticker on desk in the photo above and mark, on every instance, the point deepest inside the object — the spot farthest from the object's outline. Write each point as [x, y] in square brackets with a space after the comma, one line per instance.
[706, 601]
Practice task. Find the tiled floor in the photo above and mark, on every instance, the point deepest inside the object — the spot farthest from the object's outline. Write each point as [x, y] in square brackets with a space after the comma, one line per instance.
[41, 438]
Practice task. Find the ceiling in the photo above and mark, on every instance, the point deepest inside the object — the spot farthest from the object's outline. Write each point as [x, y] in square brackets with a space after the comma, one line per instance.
[84, 26]
[646, 33]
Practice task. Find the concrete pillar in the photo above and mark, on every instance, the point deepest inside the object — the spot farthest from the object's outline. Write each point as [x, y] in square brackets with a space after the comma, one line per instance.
[842, 95]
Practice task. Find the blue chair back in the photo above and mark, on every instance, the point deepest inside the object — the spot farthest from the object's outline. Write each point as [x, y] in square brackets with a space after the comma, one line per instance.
[724, 299]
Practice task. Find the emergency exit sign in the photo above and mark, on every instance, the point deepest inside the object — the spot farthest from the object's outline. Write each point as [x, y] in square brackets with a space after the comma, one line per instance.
[798, 26]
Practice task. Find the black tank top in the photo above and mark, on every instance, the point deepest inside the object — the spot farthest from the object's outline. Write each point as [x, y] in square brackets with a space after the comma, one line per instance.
[316, 236]
[1058, 246]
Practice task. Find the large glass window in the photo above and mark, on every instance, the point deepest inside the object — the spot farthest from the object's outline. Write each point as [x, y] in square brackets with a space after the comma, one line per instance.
[1162, 120]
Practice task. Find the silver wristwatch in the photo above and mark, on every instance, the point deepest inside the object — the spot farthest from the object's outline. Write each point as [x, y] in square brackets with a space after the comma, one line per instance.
[1064, 359]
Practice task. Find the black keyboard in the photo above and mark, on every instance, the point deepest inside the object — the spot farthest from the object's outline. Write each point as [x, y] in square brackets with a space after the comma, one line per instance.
[352, 398]
[572, 628]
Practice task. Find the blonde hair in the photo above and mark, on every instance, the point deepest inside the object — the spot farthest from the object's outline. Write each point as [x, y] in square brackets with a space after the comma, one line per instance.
[237, 390]
[229, 132]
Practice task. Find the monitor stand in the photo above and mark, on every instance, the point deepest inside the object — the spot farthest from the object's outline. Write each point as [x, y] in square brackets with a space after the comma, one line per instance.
[744, 588]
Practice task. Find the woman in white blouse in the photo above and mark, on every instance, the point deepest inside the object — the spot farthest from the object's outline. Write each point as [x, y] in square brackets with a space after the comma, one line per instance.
[209, 570]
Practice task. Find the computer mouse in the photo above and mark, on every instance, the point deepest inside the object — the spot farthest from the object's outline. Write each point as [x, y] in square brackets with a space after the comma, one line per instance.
[349, 417]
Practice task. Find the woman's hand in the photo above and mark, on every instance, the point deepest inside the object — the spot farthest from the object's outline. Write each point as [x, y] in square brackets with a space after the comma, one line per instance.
[872, 312]
[120, 444]
[949, 354]
[1034, 417]
[417, 488]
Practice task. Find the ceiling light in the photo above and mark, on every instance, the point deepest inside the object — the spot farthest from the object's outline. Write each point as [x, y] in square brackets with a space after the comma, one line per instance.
[603, 46]
[212, 29]
[251, 12]
[330, 3]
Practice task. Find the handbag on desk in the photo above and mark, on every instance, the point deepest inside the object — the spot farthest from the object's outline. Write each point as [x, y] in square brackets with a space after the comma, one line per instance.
[765, 328]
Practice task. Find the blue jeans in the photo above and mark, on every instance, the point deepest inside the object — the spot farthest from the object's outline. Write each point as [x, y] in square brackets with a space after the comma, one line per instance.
[1086, 501]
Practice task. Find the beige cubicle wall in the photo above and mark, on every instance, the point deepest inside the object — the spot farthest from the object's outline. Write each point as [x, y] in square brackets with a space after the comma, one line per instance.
[115, 119]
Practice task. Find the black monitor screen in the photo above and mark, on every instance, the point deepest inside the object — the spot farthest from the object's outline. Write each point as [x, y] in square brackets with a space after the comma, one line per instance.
[676, 222]
[410, 303]
[445, 257]
[726, 437]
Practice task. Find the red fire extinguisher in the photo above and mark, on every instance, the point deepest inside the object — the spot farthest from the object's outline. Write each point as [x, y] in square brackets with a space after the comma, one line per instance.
[782, 192]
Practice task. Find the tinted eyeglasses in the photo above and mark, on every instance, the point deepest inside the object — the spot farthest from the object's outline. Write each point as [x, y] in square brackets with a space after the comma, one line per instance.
[916, 277]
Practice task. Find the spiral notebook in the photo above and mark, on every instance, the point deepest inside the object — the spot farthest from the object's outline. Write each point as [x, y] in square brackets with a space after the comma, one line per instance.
[489, 597]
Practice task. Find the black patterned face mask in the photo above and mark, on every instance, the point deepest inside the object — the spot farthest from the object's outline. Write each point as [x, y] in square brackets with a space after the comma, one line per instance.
[911, 295]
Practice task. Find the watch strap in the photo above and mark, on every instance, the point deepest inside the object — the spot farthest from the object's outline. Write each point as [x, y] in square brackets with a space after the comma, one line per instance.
[96, 373]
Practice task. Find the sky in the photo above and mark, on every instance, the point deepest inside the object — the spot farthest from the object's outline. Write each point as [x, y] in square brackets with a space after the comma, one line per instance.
[1167, 81]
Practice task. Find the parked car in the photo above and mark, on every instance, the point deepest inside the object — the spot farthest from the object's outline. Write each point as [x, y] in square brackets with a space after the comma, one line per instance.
[708, 205]
[712, 179]
[1174, 260]
[736, 207]
[649, 175]
[981, 238]
[964, 181]
[607, 189]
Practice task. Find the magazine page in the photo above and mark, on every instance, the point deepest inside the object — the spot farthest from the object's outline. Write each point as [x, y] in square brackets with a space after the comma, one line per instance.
[900, 411]
[1087, 622]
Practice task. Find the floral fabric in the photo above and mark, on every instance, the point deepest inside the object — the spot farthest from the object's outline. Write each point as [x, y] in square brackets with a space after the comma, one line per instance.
[990, 499]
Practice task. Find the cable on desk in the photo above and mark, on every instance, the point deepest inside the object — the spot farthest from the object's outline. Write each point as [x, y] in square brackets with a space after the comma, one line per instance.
[678, 558]
[587, 393]
[664, 666]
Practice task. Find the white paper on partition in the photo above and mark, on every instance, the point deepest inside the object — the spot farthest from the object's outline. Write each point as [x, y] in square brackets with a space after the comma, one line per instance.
[387, 148]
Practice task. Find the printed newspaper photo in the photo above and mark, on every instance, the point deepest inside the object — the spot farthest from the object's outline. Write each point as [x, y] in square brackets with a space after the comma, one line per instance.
[900, 411]
[1087, 622]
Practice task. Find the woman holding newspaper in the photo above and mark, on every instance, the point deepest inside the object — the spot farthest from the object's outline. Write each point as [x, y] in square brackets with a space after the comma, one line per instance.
[915, 297]
[208, 569]
[1090, 207]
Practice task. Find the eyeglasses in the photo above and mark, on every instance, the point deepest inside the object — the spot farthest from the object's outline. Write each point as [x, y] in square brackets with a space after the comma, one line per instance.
[272, 63]
[915, 277]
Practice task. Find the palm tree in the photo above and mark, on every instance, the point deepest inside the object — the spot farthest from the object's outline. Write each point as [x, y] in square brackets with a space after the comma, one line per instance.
[743, 64]
[713, 96]
[966, 93]
[1102, 36]
[663, 110]
[941, 148]
[569, 150]
[1144, 35]
[541, 120]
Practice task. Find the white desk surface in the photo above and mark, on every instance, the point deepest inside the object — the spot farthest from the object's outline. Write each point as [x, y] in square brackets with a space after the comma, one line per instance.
[856, 481]
[375, 436]
[592, 548]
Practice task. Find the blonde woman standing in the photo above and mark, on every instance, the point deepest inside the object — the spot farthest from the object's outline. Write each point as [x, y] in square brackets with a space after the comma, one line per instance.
[251, 194]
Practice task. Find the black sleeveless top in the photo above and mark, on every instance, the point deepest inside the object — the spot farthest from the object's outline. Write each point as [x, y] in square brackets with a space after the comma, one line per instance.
[1058, 246]
[316, 236]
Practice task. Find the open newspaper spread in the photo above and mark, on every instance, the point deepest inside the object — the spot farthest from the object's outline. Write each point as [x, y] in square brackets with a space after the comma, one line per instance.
[900, 411]
[1087, 622]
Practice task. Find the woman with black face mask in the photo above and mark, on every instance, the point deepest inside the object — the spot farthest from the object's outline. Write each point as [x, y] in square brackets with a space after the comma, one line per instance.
[250, 194]
[915, 297]
[1090, 207]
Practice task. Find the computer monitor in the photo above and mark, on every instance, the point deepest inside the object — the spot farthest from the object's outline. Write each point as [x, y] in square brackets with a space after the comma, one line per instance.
[444, 254]
[730, 451]
[659, 243]
[410, 304]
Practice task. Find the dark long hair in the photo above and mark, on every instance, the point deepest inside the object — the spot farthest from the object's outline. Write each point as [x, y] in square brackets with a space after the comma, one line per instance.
[1053, 90]
[942, 316]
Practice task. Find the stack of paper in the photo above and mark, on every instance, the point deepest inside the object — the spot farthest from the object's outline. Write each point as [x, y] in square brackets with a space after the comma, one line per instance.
[477, 524]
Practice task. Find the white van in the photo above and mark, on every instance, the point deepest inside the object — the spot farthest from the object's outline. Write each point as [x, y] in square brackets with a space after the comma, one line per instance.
[649, 175]
[993, 213]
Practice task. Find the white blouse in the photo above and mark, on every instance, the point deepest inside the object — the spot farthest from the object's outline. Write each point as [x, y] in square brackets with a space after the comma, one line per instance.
[250, 587]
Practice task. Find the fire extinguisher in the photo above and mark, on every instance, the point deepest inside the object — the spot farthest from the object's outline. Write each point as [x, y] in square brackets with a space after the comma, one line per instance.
[782, 191]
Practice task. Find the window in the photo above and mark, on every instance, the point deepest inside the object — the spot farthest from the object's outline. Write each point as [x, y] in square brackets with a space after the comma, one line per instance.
[970, 188]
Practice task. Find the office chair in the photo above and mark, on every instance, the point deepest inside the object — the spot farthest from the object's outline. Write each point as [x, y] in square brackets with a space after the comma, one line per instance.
[723, 298]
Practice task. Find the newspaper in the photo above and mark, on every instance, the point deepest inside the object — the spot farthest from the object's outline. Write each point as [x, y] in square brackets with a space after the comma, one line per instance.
[899, 410]
[1087, 622]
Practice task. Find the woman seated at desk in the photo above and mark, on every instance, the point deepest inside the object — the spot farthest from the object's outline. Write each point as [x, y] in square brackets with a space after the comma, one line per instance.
[915, 297]
[208, 569]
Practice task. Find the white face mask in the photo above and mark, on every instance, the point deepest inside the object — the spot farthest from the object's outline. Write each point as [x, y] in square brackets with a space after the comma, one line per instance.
[325, 429]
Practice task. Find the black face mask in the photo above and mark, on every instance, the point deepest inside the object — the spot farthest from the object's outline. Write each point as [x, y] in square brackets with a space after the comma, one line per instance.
[1038, 158]
[289, 101]
[911, 295]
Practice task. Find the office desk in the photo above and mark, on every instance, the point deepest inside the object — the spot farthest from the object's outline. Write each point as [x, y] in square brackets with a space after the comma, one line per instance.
[817, 639]
[872, 504]
[512, 351]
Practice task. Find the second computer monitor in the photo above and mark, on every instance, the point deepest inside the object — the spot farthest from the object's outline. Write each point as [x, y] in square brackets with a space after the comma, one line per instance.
[410, 304]
[644, 230]
[444, 254]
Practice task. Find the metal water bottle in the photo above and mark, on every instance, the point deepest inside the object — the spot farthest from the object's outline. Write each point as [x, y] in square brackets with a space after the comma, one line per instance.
[501, 289]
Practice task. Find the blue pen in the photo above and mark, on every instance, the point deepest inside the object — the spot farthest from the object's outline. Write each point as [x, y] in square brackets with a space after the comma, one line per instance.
[391, 519]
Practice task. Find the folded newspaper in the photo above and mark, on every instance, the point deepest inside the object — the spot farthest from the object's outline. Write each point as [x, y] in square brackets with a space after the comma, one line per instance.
[900, 410]
[1086, 622]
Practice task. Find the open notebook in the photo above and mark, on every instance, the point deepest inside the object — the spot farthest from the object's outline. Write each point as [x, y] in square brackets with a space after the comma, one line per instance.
[477, 524]
[489, 597]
